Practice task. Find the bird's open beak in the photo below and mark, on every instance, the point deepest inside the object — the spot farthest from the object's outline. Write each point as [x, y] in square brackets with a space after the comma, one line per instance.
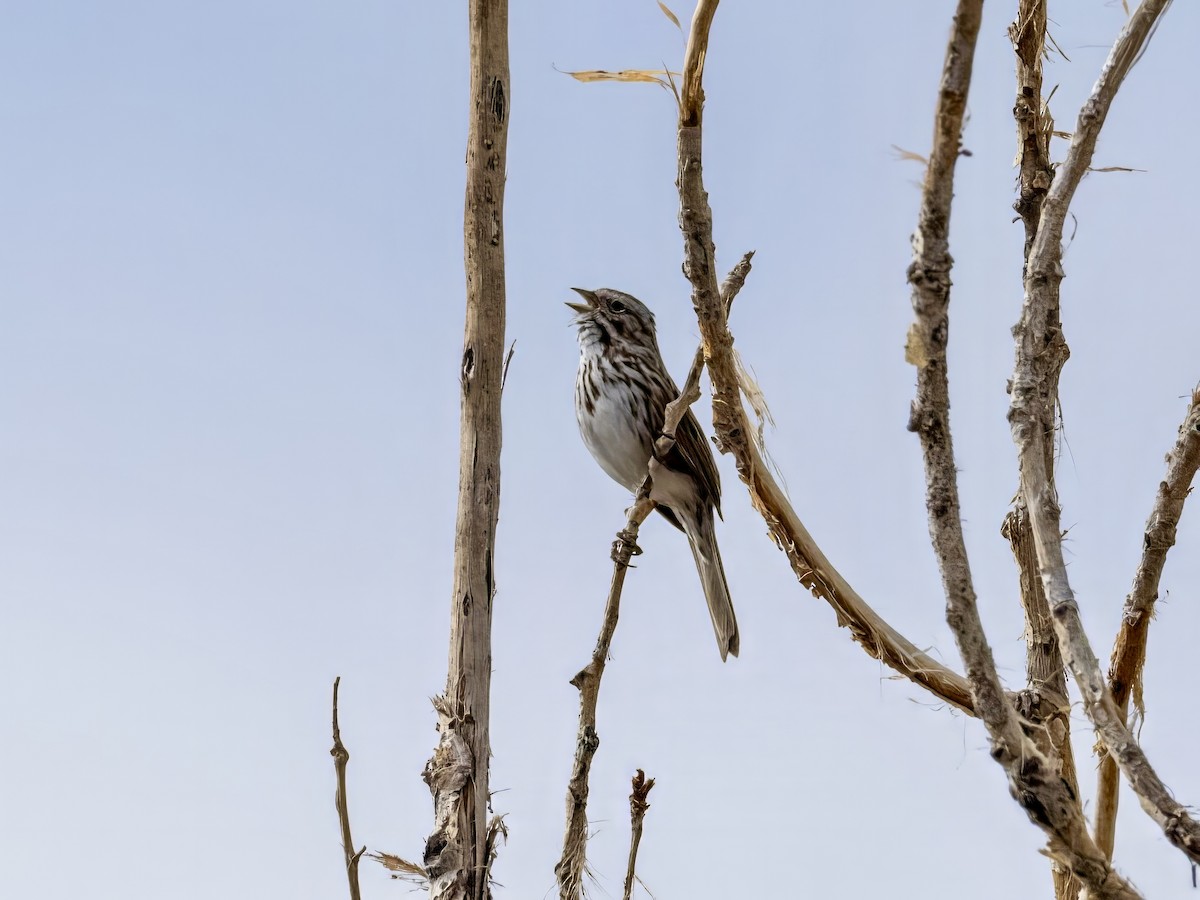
[584, 308]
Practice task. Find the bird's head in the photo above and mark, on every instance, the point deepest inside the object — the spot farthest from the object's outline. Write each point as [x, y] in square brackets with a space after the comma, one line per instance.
[612, 316]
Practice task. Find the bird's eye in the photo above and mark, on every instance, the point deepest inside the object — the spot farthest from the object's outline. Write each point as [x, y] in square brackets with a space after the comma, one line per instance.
[617, 306]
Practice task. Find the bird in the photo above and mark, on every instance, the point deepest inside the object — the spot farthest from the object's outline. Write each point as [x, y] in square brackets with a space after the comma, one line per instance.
[622, 390]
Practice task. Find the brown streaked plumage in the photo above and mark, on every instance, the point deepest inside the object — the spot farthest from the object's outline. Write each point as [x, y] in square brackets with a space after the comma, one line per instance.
[621, 393]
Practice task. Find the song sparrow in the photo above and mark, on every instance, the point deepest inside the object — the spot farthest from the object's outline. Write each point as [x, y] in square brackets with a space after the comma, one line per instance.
[621, 394]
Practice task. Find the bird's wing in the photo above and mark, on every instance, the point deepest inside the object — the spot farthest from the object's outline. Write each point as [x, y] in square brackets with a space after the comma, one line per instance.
[693, 453]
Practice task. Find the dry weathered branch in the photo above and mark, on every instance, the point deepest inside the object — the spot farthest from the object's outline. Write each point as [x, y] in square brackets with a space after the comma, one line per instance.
[1034, 777]
[572, 863]
[814, 571]
[1129, 650]
[1033, 406]
[1034, 122]
[341, 756]
[925, 348]
[690, 392]
[456, 851]
[1036, 784]
[1044, 702]
[637, 815]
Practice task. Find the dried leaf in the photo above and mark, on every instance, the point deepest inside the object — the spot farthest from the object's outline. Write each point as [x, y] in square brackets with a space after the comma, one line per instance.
[908, 155]
[1057, 48]
[1114, 169]
[670, 15]
[754, 396]
[647, 76]
[405, 870]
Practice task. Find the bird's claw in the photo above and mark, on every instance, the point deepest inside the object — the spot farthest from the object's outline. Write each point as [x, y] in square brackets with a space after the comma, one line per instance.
[625, 546]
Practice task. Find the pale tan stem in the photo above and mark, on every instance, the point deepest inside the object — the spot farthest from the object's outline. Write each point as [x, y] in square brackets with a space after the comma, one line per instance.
[456, 852]
[572, 863]
[1129, 649]
[638, 806]
[1044, 701]
[812, 568]
[341, 758]
[1032, 406]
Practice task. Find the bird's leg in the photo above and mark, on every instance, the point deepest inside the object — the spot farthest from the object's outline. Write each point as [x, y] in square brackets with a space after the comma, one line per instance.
[625, 546]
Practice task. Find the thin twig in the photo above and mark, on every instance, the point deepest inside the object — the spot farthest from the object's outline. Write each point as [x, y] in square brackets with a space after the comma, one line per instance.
[1034, 122]
[571, 865]
[637, 815]
[1044, 702]
[341, 756]
[1032, 406]
[573, 861]
[1129, 650]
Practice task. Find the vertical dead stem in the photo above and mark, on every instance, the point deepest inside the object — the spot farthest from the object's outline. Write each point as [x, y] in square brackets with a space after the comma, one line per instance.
[638, 806]
[1032, 408]
[925, 348]
[1044, 701]
[731, 429]
[1033, 776]
[457, 774]
[573, 863]
[341, 758]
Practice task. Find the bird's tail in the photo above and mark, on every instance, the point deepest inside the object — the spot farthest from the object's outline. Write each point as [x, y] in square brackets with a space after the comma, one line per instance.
[702, 537]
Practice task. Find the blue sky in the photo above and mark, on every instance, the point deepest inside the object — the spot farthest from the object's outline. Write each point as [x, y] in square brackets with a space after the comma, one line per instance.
[230, 239]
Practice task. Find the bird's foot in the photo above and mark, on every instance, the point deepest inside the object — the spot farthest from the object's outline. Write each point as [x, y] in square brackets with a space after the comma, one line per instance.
[625, 546]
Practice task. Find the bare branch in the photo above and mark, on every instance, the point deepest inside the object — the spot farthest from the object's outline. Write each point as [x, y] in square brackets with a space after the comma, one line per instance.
[812, 568]
[1129, 650]
[1034, 777]
[690, 392]
[1044, 702]
[925, 348]
[572, 864]
[691, 103]
[456, 851]
[1032, 406]
[637, 815]
[341, 756]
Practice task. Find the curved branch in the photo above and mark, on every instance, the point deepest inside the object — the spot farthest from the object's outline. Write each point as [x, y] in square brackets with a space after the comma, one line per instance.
[1033, 406]
[1036, 785]
[731, 428]
[1034, 776]
[1129, 650]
